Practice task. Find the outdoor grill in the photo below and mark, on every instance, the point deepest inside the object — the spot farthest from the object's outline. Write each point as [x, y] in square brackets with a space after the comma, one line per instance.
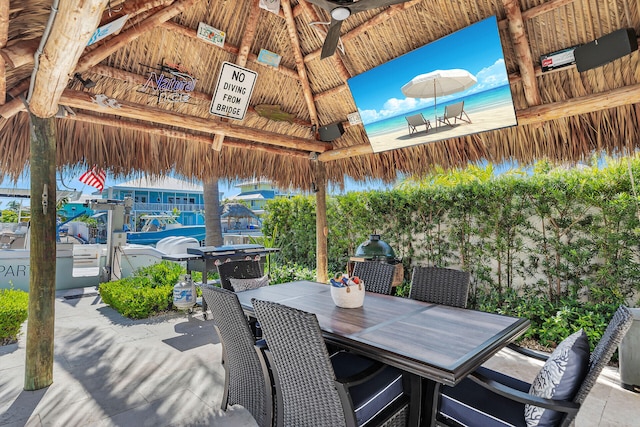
[375, 249]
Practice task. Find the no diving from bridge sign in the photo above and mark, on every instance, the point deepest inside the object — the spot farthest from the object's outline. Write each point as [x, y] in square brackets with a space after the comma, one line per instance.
[233, 92]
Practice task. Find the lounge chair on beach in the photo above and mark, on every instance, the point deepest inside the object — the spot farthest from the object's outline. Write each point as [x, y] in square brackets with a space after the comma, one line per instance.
[417, 120]
[454, 112]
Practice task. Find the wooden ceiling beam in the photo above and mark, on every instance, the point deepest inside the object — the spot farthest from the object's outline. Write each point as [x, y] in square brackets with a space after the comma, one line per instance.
[523, 52]
[535, 11]
[331, 92]
[626, 95]
[234, 50]
[302, 70]
[178, 134]
[131, 8]
[126, 76]
[346, 152]
[20, 53]
[114, 44]
[73, 26]
[83, 100]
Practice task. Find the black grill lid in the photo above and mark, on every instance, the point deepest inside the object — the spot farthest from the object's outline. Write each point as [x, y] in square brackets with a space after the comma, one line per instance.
[375, 249]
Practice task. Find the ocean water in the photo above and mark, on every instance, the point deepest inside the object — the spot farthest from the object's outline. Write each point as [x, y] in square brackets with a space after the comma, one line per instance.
[495, 97]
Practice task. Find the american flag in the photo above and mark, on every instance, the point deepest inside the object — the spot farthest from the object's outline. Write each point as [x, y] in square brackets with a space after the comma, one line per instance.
[94, 177]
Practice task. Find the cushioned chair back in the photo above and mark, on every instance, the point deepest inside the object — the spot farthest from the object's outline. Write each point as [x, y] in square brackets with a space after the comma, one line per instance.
[600, 356]
[245, 374]
[305, 379]
[241, 269]
[377, 276]
[440, 285]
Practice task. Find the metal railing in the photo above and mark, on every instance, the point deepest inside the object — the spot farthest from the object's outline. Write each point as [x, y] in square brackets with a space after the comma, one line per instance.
[167, 207]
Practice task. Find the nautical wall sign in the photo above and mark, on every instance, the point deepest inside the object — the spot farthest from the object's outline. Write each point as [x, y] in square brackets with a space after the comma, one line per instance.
[108, 29]
[269, 58]
[354, 118]
[233, 91]
[211, 34]
[169, 83]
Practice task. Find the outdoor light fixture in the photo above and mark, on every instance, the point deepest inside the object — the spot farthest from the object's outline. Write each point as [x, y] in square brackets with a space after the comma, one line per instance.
[340, 13]
[88, 84]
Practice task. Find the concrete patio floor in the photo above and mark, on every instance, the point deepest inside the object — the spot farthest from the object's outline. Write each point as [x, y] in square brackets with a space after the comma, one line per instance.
[166, 371]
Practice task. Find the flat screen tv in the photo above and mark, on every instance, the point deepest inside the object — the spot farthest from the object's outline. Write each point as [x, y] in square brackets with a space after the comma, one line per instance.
[457, 85]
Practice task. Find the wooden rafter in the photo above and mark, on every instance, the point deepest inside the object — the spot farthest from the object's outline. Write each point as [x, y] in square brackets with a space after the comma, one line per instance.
[179, 134]
[533, 115]
[126, 76]
[112, 45]
[302, 70]
[72, 28]
[234, 50]
[522, 51]
[83, 100]
[530, 13]
[132, 8]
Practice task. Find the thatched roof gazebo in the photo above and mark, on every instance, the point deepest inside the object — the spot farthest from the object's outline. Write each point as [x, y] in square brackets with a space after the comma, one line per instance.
[235, 212]
[564, 115]
[136, 96]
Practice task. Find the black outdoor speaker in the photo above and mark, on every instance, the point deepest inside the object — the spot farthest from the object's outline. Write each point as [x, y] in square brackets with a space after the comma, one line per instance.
[331, 132]
[605, 49]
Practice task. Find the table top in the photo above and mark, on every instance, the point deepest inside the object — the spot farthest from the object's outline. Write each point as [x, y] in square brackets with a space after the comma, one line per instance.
[434, 341]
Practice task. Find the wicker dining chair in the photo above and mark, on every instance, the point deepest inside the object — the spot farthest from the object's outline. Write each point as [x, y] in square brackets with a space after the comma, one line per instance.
[440, 285]
[377, 276]
[247, 376]
[308, 392]
[490, 398]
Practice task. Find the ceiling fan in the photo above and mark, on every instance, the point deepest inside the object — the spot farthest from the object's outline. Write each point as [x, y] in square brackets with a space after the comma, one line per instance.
[341, 10]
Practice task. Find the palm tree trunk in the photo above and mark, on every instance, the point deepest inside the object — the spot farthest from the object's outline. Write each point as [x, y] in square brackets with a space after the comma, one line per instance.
[212, 213]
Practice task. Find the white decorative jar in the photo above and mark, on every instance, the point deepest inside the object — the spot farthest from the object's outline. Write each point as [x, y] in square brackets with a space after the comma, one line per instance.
[348, 296]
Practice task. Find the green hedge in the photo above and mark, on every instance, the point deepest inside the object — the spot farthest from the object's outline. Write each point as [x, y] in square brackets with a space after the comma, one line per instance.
[567, 241]
[14, 307]
[148, 292]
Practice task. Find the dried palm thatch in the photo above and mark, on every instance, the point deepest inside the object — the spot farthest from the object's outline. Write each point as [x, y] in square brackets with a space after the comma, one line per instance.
[563, 115]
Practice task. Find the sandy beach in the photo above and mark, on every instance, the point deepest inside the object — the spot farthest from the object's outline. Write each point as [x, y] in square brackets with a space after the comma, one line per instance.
[481, 120]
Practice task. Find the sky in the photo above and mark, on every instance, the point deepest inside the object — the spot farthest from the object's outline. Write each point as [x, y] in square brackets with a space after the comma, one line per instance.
[476, 48]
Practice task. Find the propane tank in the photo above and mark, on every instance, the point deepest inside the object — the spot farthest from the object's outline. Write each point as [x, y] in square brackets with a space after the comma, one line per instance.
[184, 293]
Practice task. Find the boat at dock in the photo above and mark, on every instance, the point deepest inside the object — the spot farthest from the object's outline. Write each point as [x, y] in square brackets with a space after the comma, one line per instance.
[83, 265]
[160, 226]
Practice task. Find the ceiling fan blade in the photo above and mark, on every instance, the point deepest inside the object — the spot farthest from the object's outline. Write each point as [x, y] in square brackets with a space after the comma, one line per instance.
[331, 41]
[372, 4]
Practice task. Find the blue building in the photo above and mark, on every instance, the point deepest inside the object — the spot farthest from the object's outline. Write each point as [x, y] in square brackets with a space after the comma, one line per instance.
[255, 195]
[160, 196]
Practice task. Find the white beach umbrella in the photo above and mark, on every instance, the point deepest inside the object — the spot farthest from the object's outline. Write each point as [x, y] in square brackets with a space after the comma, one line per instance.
[439, 83]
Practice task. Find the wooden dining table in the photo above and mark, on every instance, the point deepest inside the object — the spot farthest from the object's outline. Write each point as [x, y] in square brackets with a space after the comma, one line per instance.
[436, 342]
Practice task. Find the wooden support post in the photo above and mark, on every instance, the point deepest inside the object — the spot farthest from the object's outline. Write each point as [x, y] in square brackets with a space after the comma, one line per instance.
[42, 281]
[322, 230]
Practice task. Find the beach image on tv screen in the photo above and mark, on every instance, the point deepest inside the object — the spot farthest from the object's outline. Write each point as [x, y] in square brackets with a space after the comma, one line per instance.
[457, 85]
